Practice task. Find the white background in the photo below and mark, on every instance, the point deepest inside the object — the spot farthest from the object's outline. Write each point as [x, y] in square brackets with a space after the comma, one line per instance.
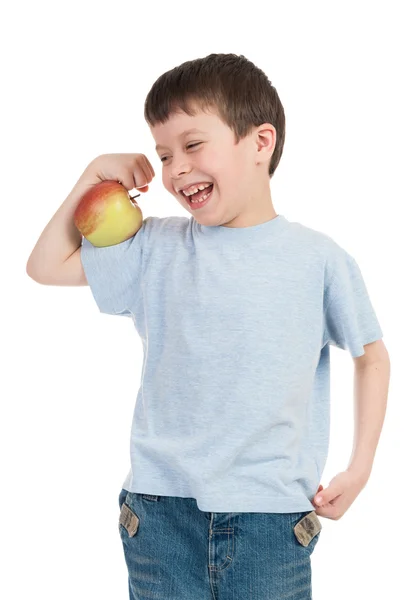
[74, 79]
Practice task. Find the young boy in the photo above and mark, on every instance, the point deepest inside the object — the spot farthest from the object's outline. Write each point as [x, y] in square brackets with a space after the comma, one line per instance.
[236, 308]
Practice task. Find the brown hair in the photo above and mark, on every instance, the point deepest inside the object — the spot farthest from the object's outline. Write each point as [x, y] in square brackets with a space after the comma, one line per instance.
[240, 92]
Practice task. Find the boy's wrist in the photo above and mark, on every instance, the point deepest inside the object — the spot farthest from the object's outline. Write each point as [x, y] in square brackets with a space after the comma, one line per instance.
[361, 471]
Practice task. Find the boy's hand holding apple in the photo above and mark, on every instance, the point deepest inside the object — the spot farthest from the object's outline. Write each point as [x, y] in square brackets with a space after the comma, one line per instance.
[107, 215]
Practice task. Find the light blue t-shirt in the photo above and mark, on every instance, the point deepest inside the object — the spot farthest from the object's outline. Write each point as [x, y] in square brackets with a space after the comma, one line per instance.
[233, 407]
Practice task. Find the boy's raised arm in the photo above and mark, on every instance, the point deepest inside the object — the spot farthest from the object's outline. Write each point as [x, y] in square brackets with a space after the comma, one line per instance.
[55, 259]
[60, 238]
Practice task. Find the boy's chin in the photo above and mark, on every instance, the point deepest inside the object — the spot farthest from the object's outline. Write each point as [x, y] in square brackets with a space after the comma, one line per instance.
[206, 217]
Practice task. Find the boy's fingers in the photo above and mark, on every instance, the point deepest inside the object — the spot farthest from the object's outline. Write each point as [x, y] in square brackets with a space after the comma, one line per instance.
[138, 177]
[150, 166]
[147, 169]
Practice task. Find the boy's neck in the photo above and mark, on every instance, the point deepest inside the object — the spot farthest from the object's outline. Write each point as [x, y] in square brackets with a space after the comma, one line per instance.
[261, 210]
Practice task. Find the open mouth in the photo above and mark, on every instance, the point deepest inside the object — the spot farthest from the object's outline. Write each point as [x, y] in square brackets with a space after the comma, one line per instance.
[195, 202]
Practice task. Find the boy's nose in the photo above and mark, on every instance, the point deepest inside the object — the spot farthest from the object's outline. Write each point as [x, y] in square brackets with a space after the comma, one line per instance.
[180, 166]
[179, 172]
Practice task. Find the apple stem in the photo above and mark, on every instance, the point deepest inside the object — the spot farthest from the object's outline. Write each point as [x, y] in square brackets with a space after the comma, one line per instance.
[135, 196]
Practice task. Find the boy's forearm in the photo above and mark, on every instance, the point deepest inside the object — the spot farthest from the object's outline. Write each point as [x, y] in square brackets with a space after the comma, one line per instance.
[60, 238]
[371, 384]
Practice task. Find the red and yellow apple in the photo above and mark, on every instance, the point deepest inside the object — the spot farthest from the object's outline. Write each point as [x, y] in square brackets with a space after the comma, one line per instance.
[107, 215]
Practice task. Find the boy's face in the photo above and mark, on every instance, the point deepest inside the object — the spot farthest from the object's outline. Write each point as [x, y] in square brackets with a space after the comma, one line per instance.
[210, 155]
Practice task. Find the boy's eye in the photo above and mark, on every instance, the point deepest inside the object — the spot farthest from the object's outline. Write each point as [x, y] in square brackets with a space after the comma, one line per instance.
[189, 146]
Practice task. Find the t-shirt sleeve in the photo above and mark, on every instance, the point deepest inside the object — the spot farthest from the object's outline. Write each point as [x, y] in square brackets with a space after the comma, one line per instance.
[350, 321]
[114, 273]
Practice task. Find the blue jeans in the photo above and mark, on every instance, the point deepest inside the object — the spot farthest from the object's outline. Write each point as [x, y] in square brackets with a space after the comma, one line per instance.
[174, 551]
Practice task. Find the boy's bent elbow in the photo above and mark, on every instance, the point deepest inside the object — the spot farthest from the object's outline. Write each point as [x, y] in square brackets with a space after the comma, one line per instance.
[69, 273]
[38, 280]
[32, 274]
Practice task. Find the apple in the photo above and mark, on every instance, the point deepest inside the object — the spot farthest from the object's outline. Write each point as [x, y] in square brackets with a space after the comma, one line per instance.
[107, 215]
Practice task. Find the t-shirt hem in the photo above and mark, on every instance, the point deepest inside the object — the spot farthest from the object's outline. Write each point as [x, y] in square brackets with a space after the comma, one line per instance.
[212, 502]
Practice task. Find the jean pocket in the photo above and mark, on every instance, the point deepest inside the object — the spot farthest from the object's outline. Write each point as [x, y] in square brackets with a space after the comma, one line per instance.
[307, 528]
[128, 520]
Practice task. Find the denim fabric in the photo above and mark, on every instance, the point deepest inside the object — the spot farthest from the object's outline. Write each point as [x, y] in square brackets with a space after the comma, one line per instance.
[174, 551]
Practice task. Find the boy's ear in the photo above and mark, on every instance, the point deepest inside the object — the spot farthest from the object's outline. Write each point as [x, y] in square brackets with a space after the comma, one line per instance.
[265, 142]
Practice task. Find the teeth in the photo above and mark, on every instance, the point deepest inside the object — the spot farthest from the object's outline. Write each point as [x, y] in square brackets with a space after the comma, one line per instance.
[201, 199]
[193, 190]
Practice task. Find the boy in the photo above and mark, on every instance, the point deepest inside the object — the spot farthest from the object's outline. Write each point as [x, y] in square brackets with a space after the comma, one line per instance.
[236, 308]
